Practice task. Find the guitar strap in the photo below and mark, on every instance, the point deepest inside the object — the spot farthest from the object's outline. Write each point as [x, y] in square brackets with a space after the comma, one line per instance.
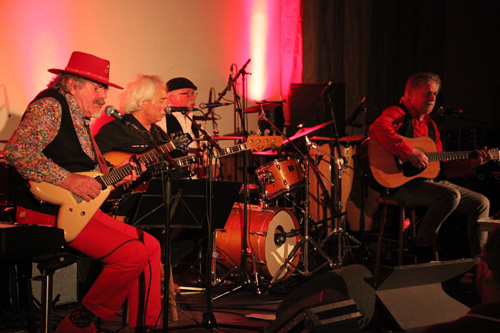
[100, 159]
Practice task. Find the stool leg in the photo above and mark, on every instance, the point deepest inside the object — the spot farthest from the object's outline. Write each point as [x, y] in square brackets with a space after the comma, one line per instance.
[46, 303]
[402, 219]
[379, 246]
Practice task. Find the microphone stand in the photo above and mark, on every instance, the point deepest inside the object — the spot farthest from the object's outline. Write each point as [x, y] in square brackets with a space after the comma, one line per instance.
[209, 320]
[338, 206]
[166, 195]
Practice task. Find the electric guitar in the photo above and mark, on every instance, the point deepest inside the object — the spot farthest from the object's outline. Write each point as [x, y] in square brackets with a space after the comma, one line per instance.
[74, 212]
[257, 143]
[390, 172]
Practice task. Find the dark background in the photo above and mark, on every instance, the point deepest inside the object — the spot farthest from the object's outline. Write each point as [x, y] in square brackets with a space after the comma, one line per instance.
[374, 46]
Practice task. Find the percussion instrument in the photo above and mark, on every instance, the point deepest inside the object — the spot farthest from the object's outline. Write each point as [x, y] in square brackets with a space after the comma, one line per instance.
[262, 107]
[279, 177]
[265, 246]
[307, 130]
[331, 169]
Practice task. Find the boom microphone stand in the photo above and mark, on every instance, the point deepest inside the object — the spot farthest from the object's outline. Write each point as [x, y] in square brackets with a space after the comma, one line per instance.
[339, 162]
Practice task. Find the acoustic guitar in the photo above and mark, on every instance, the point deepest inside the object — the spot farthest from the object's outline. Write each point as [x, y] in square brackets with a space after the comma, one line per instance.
[390, 172]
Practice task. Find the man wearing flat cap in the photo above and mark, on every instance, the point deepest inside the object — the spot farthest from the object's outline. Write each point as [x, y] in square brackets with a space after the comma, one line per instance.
[181, 93]
[51, 147]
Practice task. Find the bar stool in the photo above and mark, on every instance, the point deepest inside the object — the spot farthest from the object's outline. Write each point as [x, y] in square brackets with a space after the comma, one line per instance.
[404, 210]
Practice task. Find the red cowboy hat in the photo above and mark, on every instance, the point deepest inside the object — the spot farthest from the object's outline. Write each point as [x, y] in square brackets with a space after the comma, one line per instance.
[89, 67]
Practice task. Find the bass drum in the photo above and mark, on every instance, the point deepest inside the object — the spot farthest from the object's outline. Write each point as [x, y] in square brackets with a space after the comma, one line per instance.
[265, 245]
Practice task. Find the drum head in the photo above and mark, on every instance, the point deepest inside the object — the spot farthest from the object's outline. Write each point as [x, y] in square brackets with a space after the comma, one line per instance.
[277, 252]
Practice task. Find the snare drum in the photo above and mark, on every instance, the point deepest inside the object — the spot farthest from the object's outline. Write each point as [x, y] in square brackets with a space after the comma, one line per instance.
[279, 177]
[264, 244]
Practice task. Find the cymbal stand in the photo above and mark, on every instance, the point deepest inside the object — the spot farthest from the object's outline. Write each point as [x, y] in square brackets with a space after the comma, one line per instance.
[304, 243]
[306, 239]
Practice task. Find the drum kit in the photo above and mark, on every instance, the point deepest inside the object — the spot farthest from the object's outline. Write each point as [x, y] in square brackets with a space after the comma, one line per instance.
[302, 203]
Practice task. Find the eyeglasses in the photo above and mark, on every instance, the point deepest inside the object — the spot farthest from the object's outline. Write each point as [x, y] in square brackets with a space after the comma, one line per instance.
[98, 87]
[189, 93]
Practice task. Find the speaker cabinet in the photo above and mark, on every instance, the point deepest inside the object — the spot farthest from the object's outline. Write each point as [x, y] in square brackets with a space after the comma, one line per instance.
[309, 107]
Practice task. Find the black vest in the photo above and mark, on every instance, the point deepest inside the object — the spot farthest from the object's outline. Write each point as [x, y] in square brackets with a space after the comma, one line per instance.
[65, 150]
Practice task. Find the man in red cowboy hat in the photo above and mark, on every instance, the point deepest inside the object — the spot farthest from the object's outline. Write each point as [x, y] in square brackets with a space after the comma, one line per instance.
[52, 144]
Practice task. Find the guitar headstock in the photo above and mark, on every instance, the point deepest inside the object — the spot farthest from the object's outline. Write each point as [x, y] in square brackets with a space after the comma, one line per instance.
[260, 143]
[182, 141]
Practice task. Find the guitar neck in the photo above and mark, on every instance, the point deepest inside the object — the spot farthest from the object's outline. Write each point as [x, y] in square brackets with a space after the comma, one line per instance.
[448, 155]
[457, 155]
[230, 150]
[153, 156]
[117, 174]
[185, 161]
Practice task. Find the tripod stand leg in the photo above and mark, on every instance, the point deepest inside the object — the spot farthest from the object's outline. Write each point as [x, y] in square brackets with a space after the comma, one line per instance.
[285, 264]
[171, 298]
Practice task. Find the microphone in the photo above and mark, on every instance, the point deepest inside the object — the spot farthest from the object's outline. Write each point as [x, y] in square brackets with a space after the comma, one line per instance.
[328, 85]
[309, 143]
[169, 109]
[111, 111]
[280, 237]
[453, 112]
[357, 110]
[213, 105]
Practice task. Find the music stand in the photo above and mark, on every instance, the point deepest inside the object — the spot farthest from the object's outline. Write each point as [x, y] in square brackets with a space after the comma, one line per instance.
[188, 204]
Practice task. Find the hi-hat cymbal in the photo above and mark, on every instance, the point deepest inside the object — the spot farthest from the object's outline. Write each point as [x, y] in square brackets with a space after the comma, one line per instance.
[307, 130]
[221, 137]
[262, 106]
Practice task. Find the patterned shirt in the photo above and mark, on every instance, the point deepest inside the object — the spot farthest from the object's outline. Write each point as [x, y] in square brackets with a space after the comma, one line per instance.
[39, 126]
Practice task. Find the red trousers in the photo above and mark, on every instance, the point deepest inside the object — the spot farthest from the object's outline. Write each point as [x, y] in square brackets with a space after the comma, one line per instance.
[125, 256]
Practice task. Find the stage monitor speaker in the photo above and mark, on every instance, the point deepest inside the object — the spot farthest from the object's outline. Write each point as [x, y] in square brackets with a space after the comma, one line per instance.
[309, 107]
[415, 298]
[345, 290]
[325, 311]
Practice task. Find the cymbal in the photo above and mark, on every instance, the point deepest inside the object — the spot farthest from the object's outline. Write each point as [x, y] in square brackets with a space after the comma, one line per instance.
[270, 153]
[322, 138]
[262, 106]
[307, 130]
[221, 137]
[345, 139]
